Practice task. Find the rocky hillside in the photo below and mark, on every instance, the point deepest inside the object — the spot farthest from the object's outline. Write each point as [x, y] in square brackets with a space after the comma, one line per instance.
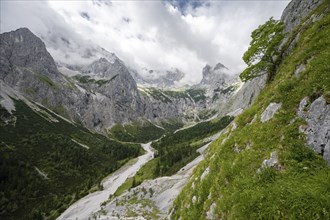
[273, 161]
[30, 69]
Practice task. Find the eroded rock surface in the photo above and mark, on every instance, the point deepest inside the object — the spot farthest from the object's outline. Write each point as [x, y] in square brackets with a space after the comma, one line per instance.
[270, 111]
[271, 162]
[317, 116]
[296, 11]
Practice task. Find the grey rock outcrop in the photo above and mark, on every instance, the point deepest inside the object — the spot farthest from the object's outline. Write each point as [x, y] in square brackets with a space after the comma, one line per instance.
[299, 69]
[159, 104]
[317, 116]
[211, 213]
[23, 49]
[205, 173]
[270, 111]
[296, 11]
[244, 96]
[271, 162]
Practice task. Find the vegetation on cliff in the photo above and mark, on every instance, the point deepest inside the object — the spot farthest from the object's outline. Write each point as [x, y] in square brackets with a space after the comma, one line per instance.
[297, 186]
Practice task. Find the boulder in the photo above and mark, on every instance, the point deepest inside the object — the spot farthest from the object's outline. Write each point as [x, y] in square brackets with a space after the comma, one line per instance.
[270, 111]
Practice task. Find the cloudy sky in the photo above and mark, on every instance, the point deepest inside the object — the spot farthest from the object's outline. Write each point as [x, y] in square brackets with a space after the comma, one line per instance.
[152, 34]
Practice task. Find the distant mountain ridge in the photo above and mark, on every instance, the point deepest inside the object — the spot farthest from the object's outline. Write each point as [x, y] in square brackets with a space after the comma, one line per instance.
[105, 91]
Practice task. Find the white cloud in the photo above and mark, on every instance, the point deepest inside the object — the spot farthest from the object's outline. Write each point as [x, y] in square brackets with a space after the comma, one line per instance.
[151, 34]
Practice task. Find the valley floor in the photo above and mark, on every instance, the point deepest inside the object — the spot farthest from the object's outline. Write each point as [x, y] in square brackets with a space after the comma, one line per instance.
[153, 198]
[150, 200]
[90, 204]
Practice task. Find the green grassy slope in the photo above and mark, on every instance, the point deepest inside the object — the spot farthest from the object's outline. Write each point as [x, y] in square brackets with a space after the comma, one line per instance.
[34, 143]
[175, 150]
[138, 131]
[298, 188]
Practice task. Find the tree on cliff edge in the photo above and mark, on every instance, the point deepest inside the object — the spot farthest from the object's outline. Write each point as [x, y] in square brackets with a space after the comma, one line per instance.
[262, 53]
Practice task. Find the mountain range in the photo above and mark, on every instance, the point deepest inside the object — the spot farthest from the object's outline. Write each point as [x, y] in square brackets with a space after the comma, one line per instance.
[106, 92]
[219, 149]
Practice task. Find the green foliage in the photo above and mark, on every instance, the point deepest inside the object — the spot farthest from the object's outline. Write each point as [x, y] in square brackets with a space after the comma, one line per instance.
[31, 143]
[139, 132]
[59, 109]
[176, 94]
[263, 47]
[194, 133]
[177, 149]
[47, 80]
[87, 79]
[197, 94]
[147, 172]
[166, 95]
[205, 114]
[296, 189]
[158, 94]
[30, 91]
[171, 125]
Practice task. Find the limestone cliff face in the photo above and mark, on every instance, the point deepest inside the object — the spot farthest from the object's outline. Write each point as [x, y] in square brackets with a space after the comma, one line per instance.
[317, 130]
[22, 48]
[296, 11]
[28, 67]
[113, 93]
[245, 96]
[317, 113]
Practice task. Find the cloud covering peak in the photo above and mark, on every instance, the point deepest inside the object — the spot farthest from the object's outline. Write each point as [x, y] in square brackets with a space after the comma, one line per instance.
[155, 34]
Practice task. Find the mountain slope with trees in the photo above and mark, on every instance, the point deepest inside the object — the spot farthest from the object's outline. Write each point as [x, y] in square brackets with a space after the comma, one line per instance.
[47, 162]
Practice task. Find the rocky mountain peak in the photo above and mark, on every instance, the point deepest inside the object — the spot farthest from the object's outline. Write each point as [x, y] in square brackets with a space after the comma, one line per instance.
[22, 48]
[99, 66]
[219, 66]
[206, 70]
[216, 74]
[105, 68]
[102, 60]
[218, 82]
